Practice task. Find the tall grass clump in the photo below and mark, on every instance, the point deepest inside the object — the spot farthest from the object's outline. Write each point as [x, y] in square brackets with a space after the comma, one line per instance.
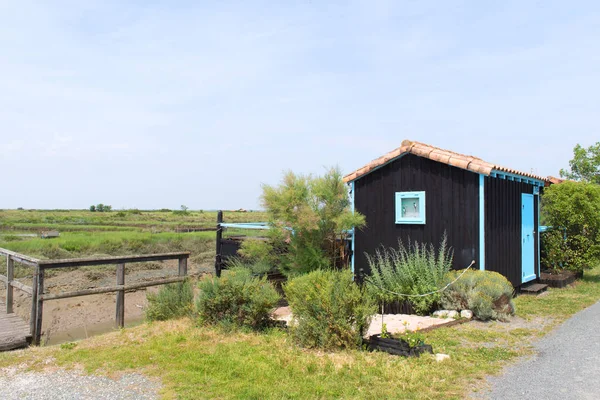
[330, 310]
[237, 298]
[174, 300]
[414, 270]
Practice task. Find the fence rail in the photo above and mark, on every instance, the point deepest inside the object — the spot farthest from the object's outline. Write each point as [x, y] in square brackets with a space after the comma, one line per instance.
[36, 291]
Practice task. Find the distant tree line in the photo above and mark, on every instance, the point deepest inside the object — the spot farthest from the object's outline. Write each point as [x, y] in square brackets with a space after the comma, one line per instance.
[100, 208]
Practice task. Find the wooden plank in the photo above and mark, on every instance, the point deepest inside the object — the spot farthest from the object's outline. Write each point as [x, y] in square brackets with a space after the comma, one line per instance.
[10, 276]
[17, 284]
[218, 249]
[182, 269]
[78, 262]
[120, 311]
[39, 308]
[110, 289]
[19, 257]
[33, 306]
[14, 332]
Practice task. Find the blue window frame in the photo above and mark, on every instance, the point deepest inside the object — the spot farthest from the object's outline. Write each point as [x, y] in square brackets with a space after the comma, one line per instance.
[410, 208]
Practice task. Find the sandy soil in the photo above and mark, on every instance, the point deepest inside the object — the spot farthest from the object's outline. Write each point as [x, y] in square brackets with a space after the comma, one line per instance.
[395, 323]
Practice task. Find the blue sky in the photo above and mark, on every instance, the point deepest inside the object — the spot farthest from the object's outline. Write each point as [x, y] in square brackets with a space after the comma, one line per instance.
[154, 104]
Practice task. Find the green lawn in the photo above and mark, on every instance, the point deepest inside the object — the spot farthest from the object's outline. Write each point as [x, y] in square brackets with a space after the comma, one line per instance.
[201, 362]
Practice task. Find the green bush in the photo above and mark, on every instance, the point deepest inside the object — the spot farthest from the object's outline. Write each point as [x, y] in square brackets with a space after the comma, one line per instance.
[258, 267]
[575, 207]
[415, 270]
[488, 294]
[172, 301]
[236, 298]
[330, 310]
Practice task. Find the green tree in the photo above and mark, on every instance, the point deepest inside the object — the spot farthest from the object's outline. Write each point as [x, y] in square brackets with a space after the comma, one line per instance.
[575, 208]
[585, 165]
[309, 217]
[93, 208]
[100, 207]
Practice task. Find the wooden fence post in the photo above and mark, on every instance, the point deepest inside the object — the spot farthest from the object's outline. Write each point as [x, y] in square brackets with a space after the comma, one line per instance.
[10, 274]
[32, 317]
[219, 237]
[120, 313]
[40, 305]
[182, 266]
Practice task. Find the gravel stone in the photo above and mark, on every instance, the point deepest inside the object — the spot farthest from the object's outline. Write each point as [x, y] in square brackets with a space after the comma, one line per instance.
[566, 366]
[60, 384]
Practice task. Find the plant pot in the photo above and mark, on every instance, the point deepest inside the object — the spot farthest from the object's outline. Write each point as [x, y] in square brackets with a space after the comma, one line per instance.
[397, 347]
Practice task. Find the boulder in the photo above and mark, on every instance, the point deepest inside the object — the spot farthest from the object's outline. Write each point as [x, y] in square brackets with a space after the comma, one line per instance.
[453, 314]
[441, 357]
[468, 314]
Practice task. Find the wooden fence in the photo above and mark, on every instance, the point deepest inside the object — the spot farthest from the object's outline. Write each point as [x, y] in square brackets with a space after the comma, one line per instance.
[36, 291]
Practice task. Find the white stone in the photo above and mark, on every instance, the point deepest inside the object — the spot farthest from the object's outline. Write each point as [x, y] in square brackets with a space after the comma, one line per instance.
[439, 357]
[440, 314]
[468, 314]
[453, 314]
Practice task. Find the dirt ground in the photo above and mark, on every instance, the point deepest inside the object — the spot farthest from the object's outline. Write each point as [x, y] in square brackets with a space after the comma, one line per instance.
[80, 317]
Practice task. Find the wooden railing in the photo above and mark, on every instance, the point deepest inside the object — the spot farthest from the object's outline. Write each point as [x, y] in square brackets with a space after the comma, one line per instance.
[37, 288]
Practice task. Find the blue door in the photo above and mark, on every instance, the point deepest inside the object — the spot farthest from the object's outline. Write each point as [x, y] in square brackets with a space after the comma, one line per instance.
[527, 241]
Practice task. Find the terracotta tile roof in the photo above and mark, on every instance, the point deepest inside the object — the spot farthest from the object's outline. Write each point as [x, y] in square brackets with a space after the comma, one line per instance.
[469, 163]
[555, 181]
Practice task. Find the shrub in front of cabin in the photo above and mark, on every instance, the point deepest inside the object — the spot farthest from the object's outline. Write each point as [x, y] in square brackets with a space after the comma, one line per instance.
[174, 300]
[237, 298]
[487, 294]
[414, 270]
[330, 310]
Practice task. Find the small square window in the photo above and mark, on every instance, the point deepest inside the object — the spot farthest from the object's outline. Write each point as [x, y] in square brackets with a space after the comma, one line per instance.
[410, 207]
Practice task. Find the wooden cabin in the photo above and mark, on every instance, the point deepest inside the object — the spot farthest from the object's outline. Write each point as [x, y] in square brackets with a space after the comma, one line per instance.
[419, 192]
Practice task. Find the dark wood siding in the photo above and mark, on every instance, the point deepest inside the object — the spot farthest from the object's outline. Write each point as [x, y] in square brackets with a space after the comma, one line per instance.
[452, 206]
[503, 227]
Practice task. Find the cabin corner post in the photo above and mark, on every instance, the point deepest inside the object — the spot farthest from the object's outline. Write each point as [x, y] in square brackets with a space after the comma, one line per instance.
[219, 236]
[352, 208]
[10, 275]
[39, 309]
[120, 303]
[481, 222]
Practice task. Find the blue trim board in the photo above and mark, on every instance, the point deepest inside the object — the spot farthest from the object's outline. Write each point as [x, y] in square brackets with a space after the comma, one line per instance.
[246, 225]
[353, 235]
[514, 177]
[481, 222]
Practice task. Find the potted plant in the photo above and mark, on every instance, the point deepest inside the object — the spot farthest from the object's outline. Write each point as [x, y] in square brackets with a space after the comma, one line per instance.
[407, 344]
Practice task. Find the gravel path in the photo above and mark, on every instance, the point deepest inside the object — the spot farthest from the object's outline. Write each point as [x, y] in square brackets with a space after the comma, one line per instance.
[58, 385]
[566, 364]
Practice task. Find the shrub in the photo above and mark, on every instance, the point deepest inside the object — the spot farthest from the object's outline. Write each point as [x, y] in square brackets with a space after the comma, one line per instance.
[575, 207]
[415, 270]
[236, 298]
[309, 218]
[172, 301]
[554, 250]
[257, 267]
[330, 309]
[488, 294]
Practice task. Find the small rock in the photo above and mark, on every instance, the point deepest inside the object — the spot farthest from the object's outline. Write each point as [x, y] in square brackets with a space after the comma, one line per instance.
[468, 314]
[453, 314]
[439, 357]
[440, 314]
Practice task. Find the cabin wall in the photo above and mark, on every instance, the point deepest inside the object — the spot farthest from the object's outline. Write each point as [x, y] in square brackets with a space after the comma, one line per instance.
[452, 206]
[503, 227]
